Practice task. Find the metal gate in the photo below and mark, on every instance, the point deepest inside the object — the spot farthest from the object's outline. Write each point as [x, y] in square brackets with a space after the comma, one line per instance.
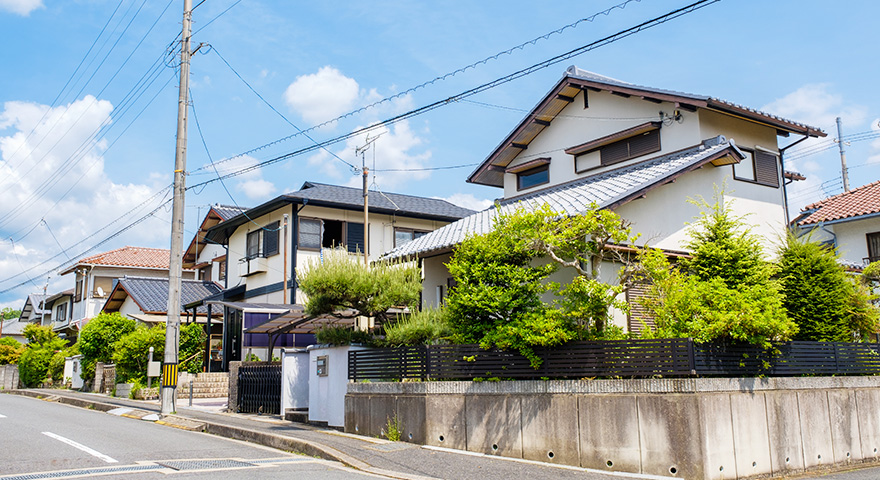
[259, 388]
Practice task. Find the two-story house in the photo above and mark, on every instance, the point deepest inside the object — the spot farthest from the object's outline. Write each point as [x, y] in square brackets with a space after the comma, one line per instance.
[641, 151]
[94, 277]
[61, 307]
[208, 259]
[850, 222]
[269, 244]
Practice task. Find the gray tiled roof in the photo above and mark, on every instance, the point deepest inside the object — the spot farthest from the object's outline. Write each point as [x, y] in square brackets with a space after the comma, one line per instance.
[605, 189]
[152, 293]
[389, 202]
[576, 72]
[228, 211]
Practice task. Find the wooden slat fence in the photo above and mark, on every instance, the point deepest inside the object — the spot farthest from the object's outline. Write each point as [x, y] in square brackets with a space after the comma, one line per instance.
[619, 358]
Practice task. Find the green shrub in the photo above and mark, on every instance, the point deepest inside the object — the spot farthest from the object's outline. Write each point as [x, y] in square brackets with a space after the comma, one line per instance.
[97, 338]
[10, 351]
[132, 352]
[826, 302]
[192, 347]
[36, 360]
[423, 327]
[340, 336]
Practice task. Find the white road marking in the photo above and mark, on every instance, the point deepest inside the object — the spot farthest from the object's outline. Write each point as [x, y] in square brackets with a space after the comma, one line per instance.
[80, 446]
[2, 416]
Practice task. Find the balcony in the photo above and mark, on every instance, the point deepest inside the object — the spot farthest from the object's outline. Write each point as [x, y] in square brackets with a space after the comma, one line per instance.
[252, 266]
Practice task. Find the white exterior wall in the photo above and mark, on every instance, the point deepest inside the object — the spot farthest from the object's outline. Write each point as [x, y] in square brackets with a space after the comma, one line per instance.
[381, 236]
[294, 379]
[434, 274]
[327, 393]
[207, 255]
[851, 240]
[576, 125]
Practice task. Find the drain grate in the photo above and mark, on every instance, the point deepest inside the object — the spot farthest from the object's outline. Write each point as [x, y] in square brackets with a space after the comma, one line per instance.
[82, 472]
[204, 464]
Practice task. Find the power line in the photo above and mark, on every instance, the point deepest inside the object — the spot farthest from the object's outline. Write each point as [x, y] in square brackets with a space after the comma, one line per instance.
[440, 78]
[484, 87]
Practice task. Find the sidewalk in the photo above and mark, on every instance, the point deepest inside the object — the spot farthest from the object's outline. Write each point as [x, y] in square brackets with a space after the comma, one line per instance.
[399, 460]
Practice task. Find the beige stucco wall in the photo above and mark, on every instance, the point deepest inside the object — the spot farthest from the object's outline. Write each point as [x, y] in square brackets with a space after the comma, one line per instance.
[435, 275]
[607, 114]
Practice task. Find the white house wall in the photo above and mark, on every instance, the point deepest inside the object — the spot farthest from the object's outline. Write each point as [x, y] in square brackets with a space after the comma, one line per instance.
[381, 237]
[851, 240]
[607, 114]
[436, 275]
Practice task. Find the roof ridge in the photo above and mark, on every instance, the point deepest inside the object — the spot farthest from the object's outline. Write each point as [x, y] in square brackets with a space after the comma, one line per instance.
[835, 197]
[381, 192]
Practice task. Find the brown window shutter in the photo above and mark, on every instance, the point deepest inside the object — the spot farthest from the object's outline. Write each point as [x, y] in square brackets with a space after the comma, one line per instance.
[640, 317]
[630, 148]
[766, 169]
[614, 153]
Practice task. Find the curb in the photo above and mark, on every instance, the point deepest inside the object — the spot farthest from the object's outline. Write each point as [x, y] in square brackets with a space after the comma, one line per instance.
[279, 442]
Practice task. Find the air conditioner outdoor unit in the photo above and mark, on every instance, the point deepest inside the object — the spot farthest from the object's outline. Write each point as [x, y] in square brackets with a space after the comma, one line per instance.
[252, 266]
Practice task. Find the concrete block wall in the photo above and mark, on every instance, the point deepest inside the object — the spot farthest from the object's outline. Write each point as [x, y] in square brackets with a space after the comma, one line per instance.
[8, 377]
[689, 428]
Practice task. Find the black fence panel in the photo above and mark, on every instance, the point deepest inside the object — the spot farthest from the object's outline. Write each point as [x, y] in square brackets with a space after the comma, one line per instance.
[259, 388]
[388, 364]
[618, 358]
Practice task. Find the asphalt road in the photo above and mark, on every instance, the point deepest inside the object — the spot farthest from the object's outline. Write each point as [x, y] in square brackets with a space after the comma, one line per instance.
[38, 436]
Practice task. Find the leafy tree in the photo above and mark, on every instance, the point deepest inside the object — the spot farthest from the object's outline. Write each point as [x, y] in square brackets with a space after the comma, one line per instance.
[34, 363]
[583, 243]
[97, 338]
[724, 292]
[132, 351]
[342, 282]
[10, 350]
[7, 312]
[496, 300]
[826, 302]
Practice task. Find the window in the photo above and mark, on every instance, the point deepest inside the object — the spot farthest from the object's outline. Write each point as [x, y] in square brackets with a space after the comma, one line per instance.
[270, 239]
[222, 272]
[759, 167]
[315, 234]
[532, 178]
[310, 233]
[79, 289]
[402, 236]
[61, 313]
[253, 245]
[629, 148]
[873, 246]
[745, 169]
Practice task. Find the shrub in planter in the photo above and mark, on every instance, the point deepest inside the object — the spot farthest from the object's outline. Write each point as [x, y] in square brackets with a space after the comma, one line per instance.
[424, 327]
[339, 336]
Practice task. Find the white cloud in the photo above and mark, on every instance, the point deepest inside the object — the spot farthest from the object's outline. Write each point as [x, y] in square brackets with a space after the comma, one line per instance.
[468, 200]
[47, 152]
[258, 189]
[814, 104]
[21, 7]
[323, 95]
[251, 183]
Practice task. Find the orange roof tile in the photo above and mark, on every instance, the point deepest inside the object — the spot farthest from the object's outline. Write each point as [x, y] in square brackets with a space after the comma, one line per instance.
[860, 201]
[131, 257]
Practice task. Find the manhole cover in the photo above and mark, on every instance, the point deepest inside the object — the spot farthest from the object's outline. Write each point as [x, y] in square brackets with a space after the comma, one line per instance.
[204, 464]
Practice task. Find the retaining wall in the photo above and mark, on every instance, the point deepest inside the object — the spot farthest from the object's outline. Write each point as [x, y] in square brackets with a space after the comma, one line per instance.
[8, 377]
[687, 428]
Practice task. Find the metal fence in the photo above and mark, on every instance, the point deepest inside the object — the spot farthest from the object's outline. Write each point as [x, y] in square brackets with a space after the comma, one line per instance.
[259, 388]
[618, 358]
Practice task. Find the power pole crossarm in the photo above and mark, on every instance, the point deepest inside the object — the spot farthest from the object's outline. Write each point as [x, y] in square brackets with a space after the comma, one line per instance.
[175, 264]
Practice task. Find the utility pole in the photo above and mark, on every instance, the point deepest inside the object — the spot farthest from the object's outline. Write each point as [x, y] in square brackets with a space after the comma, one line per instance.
[175, 264]
[843, 168]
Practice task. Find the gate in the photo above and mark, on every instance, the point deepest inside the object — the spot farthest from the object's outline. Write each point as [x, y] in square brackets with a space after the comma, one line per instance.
[259, 388]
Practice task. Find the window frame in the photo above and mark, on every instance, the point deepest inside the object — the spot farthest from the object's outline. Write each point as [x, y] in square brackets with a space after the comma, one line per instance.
[248, 254]
[755, 152]
[270, 232]
[61, 312]
[532, 171]
[416, 233]
[629, 155]
[876, 254]
[299, 234]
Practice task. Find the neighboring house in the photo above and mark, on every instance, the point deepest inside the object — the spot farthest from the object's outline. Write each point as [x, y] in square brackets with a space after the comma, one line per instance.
[13, 328]
[849, 221]
[640, 151]
[145, 299]
[33, 311]
[206, 258]
[319, 217]
[61, 306]
[94, 277]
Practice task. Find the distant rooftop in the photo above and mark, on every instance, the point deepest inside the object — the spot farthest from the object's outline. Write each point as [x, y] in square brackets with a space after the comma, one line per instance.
[142, 257]
[858, 202]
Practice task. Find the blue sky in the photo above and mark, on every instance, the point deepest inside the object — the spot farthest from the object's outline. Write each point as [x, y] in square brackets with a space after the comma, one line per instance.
[74, 156]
